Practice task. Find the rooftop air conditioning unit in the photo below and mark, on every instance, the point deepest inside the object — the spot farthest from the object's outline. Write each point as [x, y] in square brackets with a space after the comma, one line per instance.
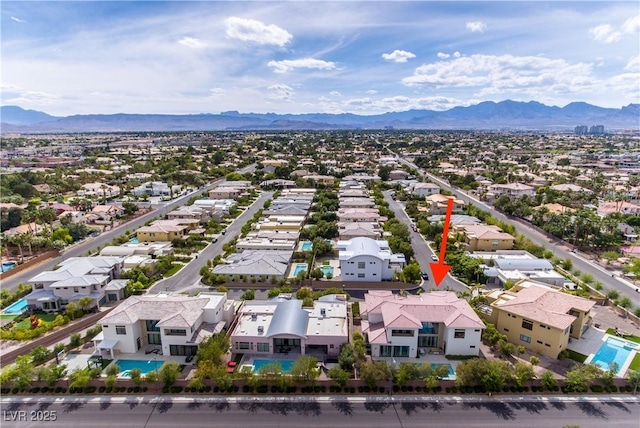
[260, 329]
[254, 317]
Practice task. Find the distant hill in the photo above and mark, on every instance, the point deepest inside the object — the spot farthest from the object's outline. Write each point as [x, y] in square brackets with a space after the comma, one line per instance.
[15, 115]
[507, 114]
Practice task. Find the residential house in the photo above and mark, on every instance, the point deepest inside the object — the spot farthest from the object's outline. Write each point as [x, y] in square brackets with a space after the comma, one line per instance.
[538, 317]
[409, 326]
[175, 324]
[76, 277]
[485, 237]
[437, 204]
[256, 264]
[190, 212]
[609, 207]
[106, 213]
[425, 189]
[366, 259]
[513, 190]
[159, 232]
[282, 326]
[348, 230]
[156, 188]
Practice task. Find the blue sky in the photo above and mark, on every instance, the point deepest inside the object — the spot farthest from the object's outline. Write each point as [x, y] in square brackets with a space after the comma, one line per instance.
[370, 57]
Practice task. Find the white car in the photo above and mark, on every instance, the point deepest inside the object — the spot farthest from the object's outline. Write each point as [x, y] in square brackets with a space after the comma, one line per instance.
[434, 257]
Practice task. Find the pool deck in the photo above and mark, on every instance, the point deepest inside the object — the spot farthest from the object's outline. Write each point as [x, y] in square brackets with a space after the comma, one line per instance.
[625, 366]
[427, 358]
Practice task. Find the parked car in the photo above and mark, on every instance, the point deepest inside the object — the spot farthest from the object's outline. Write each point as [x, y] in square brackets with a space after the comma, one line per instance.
[425, 275]
[224, 231]
[434, 257]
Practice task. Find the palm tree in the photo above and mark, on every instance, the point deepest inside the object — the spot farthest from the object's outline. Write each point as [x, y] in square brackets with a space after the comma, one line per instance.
[17, 240]
[84, 303]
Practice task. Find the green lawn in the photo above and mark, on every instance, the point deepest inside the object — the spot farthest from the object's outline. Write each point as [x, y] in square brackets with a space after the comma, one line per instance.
[25, 324]
[173, 270]
[635, 339]
[635, 363]
[576, 356]
[7, 317]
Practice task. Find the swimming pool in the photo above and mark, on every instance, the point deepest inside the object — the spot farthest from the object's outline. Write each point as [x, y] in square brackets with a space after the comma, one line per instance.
[452, 373]
[16, 308]
[286, 365]
[307, 245]
[145, 366]
[613, 351]
[327, 270]
[299, 268]
[8, 266]
[133, 240]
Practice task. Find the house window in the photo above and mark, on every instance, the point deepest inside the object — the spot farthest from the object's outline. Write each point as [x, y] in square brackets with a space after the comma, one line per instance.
[263, 347]
[243, 345]
[458, 334]
[175, 332]
[75, 289]
[524, 338]
[408, 333]
[361, 265]
[495, 243]
[527, 324]
[360, 275]
[505, 329]
[121, 329]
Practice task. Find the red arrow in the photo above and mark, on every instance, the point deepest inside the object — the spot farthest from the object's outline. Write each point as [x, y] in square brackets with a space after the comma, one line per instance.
[439, 270]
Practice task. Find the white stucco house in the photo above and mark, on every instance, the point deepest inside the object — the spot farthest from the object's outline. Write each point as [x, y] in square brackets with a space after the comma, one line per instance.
[409, 326]
[366, 259]
[174, 324]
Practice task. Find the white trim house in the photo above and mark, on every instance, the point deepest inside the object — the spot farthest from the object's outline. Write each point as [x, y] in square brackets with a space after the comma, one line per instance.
[409, 326]
[366, 259]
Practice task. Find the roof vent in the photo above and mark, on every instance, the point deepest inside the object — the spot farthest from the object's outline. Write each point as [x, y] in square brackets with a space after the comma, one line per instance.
[323, 312]
[260, 329]
[254, 316]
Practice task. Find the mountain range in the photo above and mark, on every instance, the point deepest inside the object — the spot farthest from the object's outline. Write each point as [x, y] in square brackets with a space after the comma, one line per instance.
[489, 115]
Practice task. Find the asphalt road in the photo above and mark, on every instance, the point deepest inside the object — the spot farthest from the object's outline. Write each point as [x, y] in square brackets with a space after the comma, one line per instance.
[189, 275]
[400, 412]
[422, 251]
[559, 248]
[101, 240]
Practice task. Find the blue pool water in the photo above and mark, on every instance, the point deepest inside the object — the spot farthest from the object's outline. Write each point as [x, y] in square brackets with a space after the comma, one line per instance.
[286, 365]
[299, 268]
[16, 308]
[145, 366]
[452, 373]
[8, 266]
[133, 240]
[307, 245]
[327, 270]
[612, 351]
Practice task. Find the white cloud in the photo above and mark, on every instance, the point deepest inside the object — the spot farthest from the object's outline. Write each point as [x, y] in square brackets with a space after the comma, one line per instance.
[632, 25]
[505, 74]
[372, 92]
[443, 55]
[335, 93]
[190, 42]
[215, 92]
[401, 103]
[633, 64]
[398, 56]
[604, 33]
[13, 94]
[476, 26]
[281, 92]
[16, 19]
[250, 30]
[457, 54]
[292, 64]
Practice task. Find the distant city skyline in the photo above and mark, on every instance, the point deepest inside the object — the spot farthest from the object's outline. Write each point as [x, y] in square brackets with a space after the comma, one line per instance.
[83, 57]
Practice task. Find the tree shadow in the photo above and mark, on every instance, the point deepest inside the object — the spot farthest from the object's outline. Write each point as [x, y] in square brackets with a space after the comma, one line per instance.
[559, 405]
[194, 405]
[164, 406]
[499, 409]
[531, 407]
[307, 408]
[436, 406]
[591, 410]
[132, 402]
[72, 407]
[250, 406]
[410, 408]
[620, 406]
[220, 406]
[105, 403]
[375, 406]
[343, 407]
[12, 407]
[43, 406]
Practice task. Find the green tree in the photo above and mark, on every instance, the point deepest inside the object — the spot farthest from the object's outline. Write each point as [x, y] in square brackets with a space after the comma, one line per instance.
[248, 294]
[406, 373]
[374, 372]
[71, 310]
[523, 373]
[339, 376]
[412, 272]
[305, 369]
[346, 358]
[85, 303]
[169, 373]
[548, 380]
[581, 377]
